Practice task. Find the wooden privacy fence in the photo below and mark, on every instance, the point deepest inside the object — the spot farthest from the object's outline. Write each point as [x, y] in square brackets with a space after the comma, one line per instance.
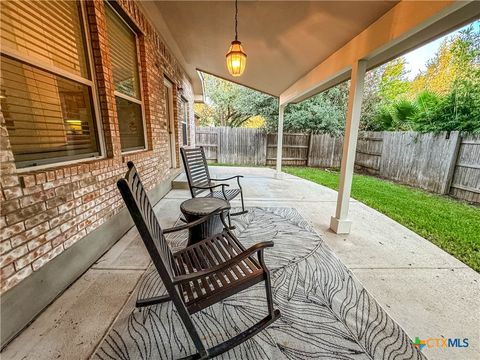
[465, 182]
[295, 149]
[233, 145]
[445, 163]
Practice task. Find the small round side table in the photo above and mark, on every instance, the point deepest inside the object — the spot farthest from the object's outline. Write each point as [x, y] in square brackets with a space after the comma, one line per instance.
[196, 208]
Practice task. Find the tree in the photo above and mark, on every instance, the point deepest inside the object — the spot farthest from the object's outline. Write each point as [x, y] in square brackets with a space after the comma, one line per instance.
[229, 104]
[255, 122]
[445, 97]
[456, 59]
[393, 80]
[384, 87]
[323, 113]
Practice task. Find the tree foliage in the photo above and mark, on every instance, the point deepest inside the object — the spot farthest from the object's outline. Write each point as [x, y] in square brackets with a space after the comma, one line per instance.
[444, 97]
[323, 113]
[229, 104]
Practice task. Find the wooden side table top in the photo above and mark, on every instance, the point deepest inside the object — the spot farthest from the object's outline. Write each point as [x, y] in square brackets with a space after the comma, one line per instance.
[202, 206]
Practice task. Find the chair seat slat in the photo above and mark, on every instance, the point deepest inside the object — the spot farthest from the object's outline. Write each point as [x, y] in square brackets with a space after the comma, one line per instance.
[187, 287]
[199, 262]
[196, 285]
[229, 277]
[239, 269]
[216, 278]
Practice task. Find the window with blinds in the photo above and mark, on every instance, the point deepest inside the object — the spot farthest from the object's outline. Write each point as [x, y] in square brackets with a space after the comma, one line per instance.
[122, 44]
[46, 85]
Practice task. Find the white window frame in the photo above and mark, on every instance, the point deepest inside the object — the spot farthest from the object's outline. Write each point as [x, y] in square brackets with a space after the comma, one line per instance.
[140, 86]
[91, 82]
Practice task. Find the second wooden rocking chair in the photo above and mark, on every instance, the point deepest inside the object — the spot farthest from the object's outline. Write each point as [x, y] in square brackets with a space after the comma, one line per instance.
[202, 274]
[200, 182]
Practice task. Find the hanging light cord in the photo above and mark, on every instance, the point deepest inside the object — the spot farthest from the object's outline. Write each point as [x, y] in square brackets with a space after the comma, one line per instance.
[236, 21]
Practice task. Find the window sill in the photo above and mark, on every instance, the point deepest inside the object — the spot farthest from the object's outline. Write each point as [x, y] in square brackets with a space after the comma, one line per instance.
[136, 151]
[135, 154]
[58, 165]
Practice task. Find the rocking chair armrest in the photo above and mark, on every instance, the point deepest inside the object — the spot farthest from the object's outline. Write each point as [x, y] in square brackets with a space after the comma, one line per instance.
[229, 178]
[209, 187]
[227, 264]
[220, 210]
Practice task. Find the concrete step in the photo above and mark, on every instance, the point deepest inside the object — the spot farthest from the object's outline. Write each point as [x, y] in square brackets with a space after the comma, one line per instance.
[180, 182]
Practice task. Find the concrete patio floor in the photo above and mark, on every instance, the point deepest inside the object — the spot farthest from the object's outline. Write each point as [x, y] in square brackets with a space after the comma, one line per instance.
[428, 292]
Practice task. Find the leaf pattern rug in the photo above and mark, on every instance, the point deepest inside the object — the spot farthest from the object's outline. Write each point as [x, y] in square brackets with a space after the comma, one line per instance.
[326, 312]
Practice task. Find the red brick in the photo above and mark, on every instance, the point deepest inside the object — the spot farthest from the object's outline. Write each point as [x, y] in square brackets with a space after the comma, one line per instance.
[58, 200]
[5, 246]
[10, 231]
[36, 198]
[31, 256]
[59, 220]
[10, 206]
[9, 180]
[25, 213]
[28, 180]
[47, 257]
[73, 239]
[15, 279]
[37, 230]
[7, 271]
[13, 193]
[41, 178]
[11, 256]
[43, 216]
[32, 189]
[50, 175]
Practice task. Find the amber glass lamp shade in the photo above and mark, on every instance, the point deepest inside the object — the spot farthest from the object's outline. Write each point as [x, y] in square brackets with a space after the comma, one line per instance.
[236, 59]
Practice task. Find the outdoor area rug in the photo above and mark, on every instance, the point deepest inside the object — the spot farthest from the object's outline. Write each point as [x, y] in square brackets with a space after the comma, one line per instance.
[325, 312]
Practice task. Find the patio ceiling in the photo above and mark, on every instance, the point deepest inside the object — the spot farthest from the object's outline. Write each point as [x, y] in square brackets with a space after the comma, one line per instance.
[283, 40]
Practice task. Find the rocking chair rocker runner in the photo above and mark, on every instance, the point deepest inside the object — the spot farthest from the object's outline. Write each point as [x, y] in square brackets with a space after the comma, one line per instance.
[199, 179]
[202, 274]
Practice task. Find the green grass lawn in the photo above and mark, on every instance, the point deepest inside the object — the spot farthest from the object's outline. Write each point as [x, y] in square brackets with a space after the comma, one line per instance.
[450, 224]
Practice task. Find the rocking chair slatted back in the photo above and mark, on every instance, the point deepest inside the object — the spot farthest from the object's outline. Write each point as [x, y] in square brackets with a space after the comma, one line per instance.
[140, 208]
[196, 168]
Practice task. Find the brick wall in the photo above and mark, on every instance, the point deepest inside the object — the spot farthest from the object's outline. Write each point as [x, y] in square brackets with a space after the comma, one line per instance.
[45, 212]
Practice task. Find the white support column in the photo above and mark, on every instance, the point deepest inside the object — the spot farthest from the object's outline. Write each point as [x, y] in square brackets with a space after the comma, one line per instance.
[281, 109]
[340, 223]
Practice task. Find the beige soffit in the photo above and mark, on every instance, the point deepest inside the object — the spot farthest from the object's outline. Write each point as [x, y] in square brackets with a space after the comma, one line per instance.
[284, 40]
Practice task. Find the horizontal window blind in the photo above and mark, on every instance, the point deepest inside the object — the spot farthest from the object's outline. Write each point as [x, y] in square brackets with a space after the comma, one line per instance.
[48, 31]
[47, 116]
[122, 44]
[123, 55]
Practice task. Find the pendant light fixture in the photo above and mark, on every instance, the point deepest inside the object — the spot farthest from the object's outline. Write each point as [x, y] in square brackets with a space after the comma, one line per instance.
[236, 57]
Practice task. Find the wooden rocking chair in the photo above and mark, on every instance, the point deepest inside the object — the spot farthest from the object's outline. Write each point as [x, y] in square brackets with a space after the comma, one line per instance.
[201, 274]
[199, 180]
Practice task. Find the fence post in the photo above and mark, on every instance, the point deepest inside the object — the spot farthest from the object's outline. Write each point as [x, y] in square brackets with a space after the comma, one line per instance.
[453, 162]
[281, 109]
[265, 134]
[310, 140]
